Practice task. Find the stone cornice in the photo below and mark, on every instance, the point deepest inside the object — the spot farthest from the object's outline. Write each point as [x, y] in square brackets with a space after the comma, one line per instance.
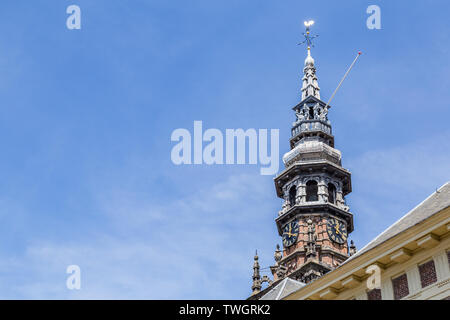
[310, 167]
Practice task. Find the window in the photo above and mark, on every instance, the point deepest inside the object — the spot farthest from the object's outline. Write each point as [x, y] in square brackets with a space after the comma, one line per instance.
[374, 294]
[311, 191]
[331, 193]
[292, 195]
[400, 285]
[311, 113]
[448, 257]
[427, 273]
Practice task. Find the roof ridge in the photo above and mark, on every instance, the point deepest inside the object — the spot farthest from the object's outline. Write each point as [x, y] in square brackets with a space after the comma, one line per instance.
[281, 289]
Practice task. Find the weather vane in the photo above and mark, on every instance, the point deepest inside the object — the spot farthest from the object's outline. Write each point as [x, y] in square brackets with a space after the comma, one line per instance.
[307, 35]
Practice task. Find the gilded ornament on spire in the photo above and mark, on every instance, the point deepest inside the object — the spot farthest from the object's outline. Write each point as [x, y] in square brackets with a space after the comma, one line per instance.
[307, 35]
[310, 86]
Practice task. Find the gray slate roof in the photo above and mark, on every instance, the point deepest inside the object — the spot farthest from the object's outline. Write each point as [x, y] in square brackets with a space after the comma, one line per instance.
[282, 289]
[436, 202]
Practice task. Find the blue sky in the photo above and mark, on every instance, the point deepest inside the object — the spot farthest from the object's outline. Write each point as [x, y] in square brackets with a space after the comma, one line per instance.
[86, 118]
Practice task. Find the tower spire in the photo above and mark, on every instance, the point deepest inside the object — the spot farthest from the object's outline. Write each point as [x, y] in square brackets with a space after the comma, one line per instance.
[314, 220]
[310, 86]
[256, 286]
[313, 186]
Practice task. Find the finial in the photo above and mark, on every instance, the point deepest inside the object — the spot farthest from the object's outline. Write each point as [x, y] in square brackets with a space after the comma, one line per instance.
[278, 255]
[256, 285]
[352, 250]
[310, 87]
[256, 263]
[307, 35]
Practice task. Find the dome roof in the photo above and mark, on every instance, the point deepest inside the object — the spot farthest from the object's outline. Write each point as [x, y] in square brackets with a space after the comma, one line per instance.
[312, 149]
[309, 61]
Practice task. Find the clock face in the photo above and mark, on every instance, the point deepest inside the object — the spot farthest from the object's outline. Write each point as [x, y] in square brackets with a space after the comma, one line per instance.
[290, 234]
[337, 231]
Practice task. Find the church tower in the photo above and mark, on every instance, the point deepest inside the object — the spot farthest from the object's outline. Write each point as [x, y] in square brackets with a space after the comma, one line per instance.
[314, 220]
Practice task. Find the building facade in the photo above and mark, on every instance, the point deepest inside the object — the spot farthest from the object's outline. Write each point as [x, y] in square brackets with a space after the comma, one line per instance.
[413, 256]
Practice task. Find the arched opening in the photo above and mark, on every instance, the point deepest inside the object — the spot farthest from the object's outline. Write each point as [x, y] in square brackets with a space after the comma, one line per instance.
[292, 195]
[331, 193]
[311, 113]
[311, 191]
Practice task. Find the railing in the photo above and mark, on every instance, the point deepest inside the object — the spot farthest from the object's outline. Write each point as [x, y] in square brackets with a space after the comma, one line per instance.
[311, 125]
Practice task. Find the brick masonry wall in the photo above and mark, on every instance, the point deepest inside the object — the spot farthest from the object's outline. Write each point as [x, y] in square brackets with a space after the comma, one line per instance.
[322, 239]
[427, 273]
[400, 285]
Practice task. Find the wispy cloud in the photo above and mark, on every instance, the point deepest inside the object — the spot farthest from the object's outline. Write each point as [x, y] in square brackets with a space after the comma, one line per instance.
[200, 245]
[387, 183]
[190, 248]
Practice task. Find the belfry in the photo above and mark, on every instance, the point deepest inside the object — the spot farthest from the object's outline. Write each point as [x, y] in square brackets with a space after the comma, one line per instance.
[314, 220]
